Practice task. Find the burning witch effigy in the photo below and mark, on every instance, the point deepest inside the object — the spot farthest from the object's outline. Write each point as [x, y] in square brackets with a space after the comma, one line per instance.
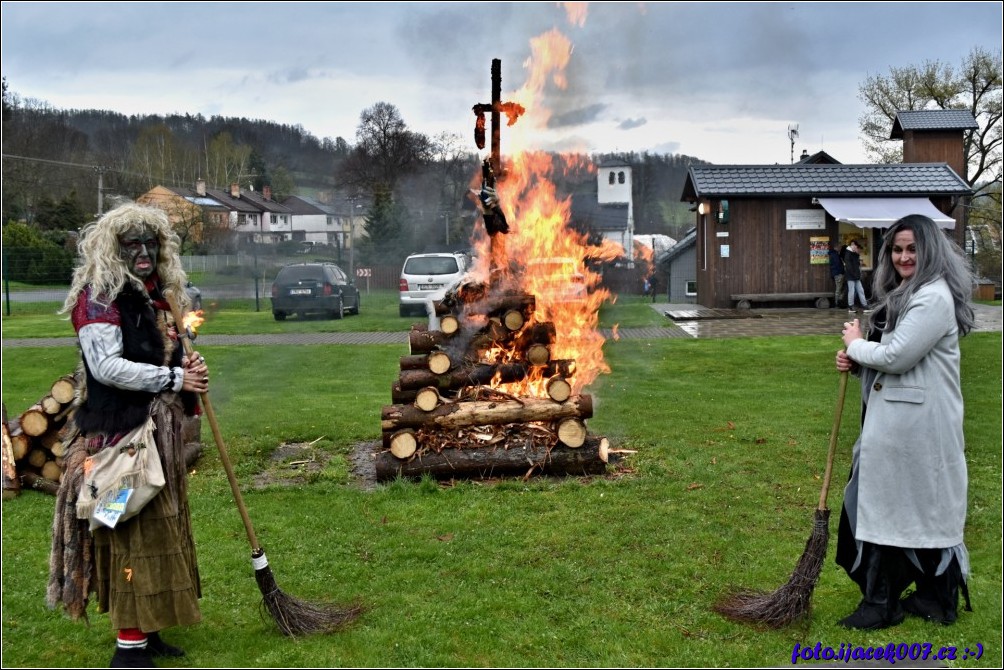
[497, 389]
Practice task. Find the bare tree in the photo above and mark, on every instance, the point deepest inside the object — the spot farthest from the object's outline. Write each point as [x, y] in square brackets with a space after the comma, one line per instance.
[385, 151]
[975, 85]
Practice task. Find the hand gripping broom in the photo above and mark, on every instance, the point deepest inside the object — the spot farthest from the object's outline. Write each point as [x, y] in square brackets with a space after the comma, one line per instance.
[292, 616]
[792, 601]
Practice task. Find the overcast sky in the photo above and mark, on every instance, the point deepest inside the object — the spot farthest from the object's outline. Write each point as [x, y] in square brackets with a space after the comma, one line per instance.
[722, 82]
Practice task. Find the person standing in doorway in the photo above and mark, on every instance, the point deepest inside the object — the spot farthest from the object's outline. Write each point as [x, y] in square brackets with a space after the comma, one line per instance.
[904, 509]
[837, 273]
[852, 271]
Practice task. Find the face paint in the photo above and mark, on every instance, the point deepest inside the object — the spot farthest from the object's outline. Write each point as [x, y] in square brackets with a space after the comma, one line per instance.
[139, 248]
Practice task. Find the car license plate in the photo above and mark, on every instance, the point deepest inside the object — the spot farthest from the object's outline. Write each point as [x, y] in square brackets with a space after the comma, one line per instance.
[429, 287]
[299, 291]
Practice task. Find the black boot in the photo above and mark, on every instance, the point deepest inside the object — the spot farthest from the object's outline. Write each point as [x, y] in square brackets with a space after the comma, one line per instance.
[880, 586]
[132, 658]
[937, 596]
[157, 647]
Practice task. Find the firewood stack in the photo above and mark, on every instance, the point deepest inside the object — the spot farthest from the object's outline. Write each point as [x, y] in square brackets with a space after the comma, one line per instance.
[34, 442]
[36, 438]
[448, 420]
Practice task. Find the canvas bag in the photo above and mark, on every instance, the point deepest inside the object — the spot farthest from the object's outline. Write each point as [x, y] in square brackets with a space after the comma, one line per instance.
[121, 479]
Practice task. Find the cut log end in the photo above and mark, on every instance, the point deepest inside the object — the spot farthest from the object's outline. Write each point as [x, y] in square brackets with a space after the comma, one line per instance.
[513, 320]
[449, 324]
[558, 389]
[427, 399]
[403, 444]
[572, 432]
[439, 362]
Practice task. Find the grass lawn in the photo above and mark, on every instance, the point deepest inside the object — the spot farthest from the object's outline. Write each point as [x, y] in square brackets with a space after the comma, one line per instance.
[614, 571]
[378, 312]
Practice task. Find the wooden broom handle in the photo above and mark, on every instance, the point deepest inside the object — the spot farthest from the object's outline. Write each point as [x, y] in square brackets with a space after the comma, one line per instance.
[841, 391]
[211, 415]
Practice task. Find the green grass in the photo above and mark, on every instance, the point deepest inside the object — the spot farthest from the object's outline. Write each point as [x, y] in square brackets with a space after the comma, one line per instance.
[378, 312]
[616, 571]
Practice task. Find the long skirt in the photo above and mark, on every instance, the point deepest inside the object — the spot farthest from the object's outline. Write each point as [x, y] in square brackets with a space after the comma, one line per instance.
[144, 571]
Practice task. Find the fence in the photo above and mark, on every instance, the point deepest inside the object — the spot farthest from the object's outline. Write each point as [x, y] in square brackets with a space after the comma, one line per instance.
[224, 279]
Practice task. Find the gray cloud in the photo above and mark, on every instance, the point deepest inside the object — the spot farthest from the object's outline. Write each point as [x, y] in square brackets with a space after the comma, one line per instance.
[576, 117]
[628, 124]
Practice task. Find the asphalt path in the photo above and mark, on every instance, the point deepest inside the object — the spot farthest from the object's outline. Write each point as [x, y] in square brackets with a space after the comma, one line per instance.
[704, 324]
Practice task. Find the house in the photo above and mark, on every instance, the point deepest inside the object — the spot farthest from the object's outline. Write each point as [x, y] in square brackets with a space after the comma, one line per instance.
[195, 215]
[762, 230]
[315, 222]
[678, 265]
[276, 220]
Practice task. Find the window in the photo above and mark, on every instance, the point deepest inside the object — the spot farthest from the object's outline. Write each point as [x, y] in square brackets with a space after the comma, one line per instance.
[620, 177]
[273, 219]
[612, 178]
[691, 288]
[242, 219]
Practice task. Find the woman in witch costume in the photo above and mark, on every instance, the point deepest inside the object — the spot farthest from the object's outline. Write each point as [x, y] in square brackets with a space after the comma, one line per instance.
[142, 569]
[905, 504]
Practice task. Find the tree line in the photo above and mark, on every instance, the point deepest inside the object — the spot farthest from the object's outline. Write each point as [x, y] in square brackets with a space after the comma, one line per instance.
[60, 165]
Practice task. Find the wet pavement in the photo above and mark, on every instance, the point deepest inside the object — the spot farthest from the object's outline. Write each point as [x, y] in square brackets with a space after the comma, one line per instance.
[682, 321]
[702, 322]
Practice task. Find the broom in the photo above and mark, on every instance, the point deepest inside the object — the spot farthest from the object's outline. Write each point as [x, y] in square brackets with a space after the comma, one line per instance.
[791, 601]
[292, 616]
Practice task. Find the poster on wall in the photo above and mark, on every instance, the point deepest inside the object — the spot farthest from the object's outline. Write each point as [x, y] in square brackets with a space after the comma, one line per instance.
[819, 250]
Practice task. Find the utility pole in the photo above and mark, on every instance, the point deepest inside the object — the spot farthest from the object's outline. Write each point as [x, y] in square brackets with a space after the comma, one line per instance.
[101, 169]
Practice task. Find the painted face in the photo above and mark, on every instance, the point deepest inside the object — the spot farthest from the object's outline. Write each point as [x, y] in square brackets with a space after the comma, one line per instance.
[904, 254]
[139, 248]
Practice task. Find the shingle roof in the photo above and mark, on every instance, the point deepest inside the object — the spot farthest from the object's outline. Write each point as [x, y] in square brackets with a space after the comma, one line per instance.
[193, 197]
[300, 204]
[927, 179]
[235, 204]
[263, 204]
[932, 119]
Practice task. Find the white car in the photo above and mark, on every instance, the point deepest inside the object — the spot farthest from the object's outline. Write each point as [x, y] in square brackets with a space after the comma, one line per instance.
[428, 276]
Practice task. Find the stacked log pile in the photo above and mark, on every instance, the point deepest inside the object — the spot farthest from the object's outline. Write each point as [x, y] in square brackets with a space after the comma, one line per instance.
[35, 441]
[448, 420]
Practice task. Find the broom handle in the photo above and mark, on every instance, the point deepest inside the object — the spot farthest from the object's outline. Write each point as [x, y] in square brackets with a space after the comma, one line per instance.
[841, 391]
[211, 415]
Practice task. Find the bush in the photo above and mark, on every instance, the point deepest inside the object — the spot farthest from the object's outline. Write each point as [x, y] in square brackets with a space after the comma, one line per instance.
[30, 257]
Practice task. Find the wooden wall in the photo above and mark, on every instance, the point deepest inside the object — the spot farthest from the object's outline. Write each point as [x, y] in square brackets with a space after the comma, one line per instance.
[935, 146]
[763, 257]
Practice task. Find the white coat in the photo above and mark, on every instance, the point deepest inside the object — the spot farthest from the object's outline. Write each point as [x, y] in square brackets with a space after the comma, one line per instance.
[909, 459]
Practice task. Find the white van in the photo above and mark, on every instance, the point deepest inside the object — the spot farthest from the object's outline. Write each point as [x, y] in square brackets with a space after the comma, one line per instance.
[428, 276]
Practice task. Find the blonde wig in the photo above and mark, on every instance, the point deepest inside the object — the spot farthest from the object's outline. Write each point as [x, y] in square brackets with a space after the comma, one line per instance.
[102, 267]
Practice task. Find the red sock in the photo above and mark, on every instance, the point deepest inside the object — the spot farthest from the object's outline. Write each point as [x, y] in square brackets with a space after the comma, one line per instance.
[131, 638]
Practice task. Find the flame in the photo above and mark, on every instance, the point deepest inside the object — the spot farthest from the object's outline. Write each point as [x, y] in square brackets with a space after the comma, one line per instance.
[542, 254]
[645, 257]
[192, 321]
[576, 12]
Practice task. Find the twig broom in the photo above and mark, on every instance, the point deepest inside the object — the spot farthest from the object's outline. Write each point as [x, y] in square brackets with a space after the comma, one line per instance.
[792, 600]
[292, 616]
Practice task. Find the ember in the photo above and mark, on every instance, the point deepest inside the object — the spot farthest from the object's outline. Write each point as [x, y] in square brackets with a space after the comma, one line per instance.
[498, 387]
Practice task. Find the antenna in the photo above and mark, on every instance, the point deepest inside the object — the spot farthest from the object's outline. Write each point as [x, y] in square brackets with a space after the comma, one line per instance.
[792, 134]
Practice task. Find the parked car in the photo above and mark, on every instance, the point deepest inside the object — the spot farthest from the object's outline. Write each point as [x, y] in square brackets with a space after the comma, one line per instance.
[428, 276]
[313, 288]
[194, 295]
